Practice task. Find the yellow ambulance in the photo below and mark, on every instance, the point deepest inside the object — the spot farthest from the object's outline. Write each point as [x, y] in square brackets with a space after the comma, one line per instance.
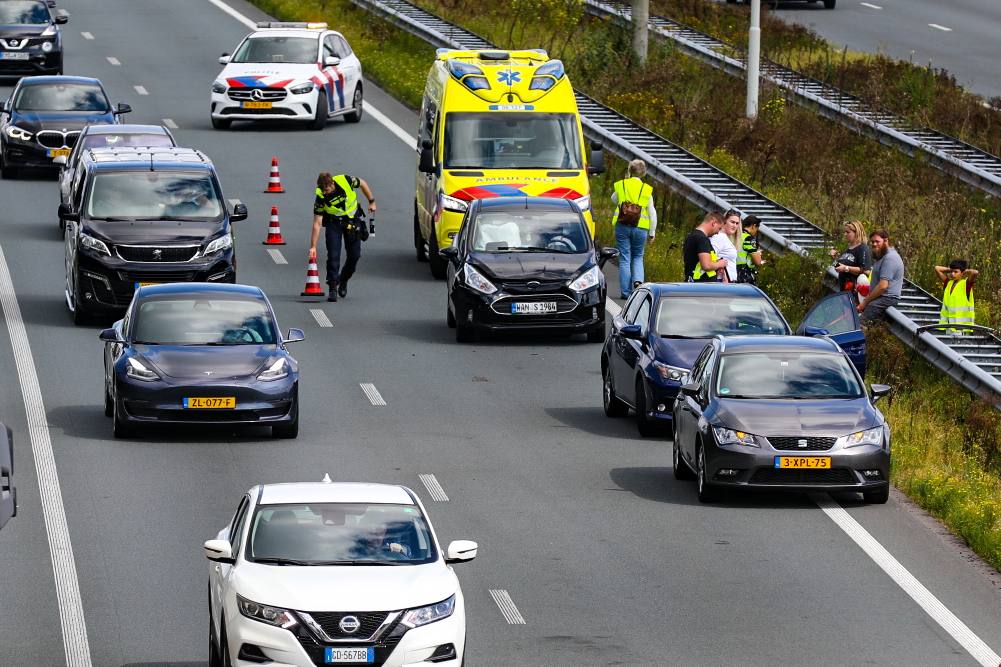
[495, 124]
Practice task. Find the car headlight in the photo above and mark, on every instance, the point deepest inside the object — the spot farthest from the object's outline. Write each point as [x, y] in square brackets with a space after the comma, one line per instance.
[276, 616]
[218, 87]
[275, 371]
[14, 132]
[668, 372]
[50, 31]
[302, 88]
[477, 281]
[90, 243]
[726, 436]
[872, 436]
[586, 280]
[433, 612]
[136, 370]
[219, 244]
[453, 204]
[583, 203]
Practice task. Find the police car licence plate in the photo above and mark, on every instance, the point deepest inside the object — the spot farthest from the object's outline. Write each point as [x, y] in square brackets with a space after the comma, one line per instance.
[256, 105]
[13, 55]
[361, 654]
[533, 307]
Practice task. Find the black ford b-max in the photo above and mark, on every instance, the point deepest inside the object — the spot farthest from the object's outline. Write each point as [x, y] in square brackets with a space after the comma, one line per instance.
[525, 263]
[143, 216]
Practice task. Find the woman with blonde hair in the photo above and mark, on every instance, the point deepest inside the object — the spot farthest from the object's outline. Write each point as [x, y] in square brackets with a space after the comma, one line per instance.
[856, 258]
[726, 242]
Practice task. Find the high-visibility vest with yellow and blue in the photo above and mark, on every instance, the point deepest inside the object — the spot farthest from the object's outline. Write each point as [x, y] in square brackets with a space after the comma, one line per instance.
[636, 191]
[957, 304]
[746, 249]
[340, 206]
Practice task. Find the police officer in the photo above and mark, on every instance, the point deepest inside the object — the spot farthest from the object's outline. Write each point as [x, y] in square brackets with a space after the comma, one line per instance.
[336, 210]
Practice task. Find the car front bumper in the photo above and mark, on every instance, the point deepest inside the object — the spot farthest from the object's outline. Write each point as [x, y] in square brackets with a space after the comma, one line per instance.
[755, 467]
[296, 647]
[38, 62]
[577, 312]
[162, 401]
[29, 154]
[291, 107]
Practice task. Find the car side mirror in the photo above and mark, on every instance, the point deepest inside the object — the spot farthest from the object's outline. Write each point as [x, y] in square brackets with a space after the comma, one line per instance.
[60, 160]
[449, 252]
[690, 388]
[6, 106]
[66, 214]
[239, 213]
[597, 165]
[61, 19]
[218, 551]
[606, 254]
[426, 165]
[110, 336]
[632, 332]
[815, 331]
[460, 551]
[331, 61]
[224, 59]
[295, 336]
[123, 108]
[880, 390]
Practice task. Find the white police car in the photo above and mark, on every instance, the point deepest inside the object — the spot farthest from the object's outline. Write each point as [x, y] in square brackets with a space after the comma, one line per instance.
[328, 573]
[289, 71]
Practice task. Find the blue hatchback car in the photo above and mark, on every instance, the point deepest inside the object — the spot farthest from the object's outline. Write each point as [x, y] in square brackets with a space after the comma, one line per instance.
[663, 327]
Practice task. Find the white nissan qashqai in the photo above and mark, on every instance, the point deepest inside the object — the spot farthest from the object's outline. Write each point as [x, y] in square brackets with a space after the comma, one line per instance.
[334, 573]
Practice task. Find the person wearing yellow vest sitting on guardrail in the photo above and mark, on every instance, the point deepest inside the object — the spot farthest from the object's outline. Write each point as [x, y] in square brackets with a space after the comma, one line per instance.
[957, 298]
[701, 263]
[635, 220]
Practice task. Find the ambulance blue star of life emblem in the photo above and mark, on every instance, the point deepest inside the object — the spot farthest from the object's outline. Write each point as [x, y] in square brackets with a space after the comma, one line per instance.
[509, 77]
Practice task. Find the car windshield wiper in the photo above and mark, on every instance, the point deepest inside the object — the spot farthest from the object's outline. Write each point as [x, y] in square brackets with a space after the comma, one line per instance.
[283, 561]
[360, 562]
[115, 218]
[674, 336]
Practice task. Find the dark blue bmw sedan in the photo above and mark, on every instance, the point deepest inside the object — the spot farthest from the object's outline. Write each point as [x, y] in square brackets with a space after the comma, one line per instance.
[200, 353]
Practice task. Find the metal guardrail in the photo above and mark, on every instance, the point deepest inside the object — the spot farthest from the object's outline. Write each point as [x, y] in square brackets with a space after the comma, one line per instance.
[974, 361]
[953, 156]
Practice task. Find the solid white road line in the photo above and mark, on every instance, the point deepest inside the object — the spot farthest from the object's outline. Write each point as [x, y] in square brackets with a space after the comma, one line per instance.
[235, 14]
[939, 27]
[374, 397]
[141, 90]
[869, 5]
[507, 606]
[74, 626]
[87, 35]
[321, 318]
[169, 124]
[975, 646]
[612, 308]
[434, 488]
[114, 61]
[277, 256]
[402, 134]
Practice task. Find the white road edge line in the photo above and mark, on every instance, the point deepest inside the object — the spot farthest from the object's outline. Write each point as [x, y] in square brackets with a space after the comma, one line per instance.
[234, 201]
[114, 61]
[235, 14]
[277, 256]
[86, 35]
[507, 606]
[374, 397]
[434, 488]
[141, 90]
[169, 123]
[71, 617]
[939, 27]
[975, 646]
[321, 318]
[869, 5]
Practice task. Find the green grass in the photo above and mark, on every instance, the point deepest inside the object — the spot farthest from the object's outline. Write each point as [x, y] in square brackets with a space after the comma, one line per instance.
[946, 444]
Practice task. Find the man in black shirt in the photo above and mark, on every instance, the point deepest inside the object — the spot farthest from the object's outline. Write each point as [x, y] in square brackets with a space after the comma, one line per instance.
[701, 264]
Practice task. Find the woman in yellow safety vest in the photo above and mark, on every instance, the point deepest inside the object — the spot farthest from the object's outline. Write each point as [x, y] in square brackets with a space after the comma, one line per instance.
[631, 234]
[957, 298]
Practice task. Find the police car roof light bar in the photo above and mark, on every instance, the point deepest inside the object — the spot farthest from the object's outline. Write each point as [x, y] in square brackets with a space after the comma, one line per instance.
[290, 24]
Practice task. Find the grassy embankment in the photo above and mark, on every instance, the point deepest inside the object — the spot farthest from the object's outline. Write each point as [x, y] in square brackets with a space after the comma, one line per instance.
[946, 444]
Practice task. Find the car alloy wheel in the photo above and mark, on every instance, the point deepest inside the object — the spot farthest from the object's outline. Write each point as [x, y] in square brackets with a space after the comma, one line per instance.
[122, 429]
[435, 261]
[681, 469]
[215, 659]
[357, 106]
[706, 492]
[644, 425]
[610, 402]
[878, 497]
[422, 255]
[322, 113]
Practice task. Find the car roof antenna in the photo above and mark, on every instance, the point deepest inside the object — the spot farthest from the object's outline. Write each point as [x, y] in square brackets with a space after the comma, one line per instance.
[326, 478]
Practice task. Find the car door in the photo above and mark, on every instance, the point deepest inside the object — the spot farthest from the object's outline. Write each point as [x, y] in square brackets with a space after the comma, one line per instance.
[221, 572]
[71, 233]
[617, 344]
[8, 493]
[334, 75]
[836, 314]
[636, 353]
[113, 351]
[427, 183]
[689, 409]
[350, 66]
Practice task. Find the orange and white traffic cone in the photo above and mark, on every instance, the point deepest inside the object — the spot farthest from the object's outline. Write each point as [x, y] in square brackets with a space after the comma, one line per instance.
[275, 179]
[274, 229]
[312, 281]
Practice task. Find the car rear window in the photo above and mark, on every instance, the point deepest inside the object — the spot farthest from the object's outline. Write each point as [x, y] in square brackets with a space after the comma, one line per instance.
[704, 317]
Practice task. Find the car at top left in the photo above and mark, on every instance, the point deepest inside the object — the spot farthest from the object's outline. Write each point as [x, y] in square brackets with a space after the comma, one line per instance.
[43, 117]
[289, 71]
[30, 40]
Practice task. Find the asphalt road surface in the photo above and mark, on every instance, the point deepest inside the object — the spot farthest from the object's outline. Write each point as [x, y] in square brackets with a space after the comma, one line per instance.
[608, 559]
[960, 36]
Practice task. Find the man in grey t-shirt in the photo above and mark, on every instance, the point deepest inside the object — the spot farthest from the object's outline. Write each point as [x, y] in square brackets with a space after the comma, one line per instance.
[887, 278]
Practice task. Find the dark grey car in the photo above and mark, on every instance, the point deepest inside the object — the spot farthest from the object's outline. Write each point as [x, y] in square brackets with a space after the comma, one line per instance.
[8, 494]
[786, 412]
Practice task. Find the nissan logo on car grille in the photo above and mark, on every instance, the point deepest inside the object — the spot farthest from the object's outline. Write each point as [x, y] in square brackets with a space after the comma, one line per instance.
[14, 42]
[349, 625]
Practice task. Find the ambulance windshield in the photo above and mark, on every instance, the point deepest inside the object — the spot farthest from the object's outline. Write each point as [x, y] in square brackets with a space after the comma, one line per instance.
[507, 140]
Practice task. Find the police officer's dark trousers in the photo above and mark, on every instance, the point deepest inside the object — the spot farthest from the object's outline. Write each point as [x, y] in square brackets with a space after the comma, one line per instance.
[334, 233]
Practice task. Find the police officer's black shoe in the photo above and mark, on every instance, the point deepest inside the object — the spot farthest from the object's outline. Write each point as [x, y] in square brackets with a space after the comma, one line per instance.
[331, 292]
[343, 289]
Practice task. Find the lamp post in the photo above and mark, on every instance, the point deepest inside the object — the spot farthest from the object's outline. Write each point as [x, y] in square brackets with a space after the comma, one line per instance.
[753, 59]
[641, 20]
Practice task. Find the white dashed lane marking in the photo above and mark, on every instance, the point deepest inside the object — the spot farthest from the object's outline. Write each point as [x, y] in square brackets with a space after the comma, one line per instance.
[869, 5]
[321, 318]
[507, 606]
[87, 35]
[277, 256]
[114, 61]
[434, 488]
[141, 90]
[939, 27]
[374, 397]
[233, 202]
[169, 123]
